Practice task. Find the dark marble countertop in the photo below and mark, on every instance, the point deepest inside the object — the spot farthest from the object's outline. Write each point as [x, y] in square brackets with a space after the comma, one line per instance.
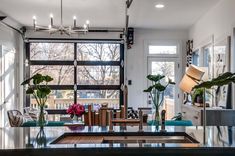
[33, 138]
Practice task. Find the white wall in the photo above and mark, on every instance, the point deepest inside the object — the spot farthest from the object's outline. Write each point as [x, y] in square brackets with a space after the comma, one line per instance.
[11, 39]
[219, 22]
[137, 65]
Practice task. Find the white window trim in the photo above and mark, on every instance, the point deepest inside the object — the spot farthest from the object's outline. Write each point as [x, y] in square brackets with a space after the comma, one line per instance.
[163, 43]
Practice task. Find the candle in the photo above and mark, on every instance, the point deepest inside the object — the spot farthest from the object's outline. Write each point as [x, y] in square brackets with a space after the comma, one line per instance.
[74, 21]
[51, 16]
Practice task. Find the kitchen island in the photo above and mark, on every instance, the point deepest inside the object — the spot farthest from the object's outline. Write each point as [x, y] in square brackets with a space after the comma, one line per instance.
[35, 141]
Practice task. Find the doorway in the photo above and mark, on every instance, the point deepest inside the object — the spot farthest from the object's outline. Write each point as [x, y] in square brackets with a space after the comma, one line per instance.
[170, 68]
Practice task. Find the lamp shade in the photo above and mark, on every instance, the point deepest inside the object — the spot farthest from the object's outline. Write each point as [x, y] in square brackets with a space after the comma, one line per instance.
[195, 72]
[205, 76]
[191, 78]
[187, 84]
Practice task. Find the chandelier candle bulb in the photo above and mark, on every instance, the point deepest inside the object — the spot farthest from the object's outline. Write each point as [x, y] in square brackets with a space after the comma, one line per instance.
[159, 6]
[51, 17]
[74, 21]
[34, 22]
[87, 23]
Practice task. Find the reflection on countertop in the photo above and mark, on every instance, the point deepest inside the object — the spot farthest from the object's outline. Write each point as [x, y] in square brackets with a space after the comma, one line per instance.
[36, 137]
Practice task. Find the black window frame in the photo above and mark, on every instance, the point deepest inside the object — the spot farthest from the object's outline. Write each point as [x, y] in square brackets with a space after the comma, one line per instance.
[119, 63]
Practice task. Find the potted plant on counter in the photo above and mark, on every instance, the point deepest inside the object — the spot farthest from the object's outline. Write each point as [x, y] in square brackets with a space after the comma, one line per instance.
[37, 86]
[197, 96]
[159, 83]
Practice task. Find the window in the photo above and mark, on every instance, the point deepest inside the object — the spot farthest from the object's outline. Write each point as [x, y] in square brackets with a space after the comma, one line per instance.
[98, 52]
[51, 51]
[86, 72]
[62, 75]
[98, 75]
[156, 49]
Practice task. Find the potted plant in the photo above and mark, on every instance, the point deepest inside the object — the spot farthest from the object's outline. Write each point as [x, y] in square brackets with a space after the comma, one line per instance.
[221, 80]
[197, 95]
[156, 91]
[37, 86]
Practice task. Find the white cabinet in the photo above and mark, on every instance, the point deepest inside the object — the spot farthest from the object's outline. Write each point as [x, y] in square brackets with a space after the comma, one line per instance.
[214, 116]
[192, 113]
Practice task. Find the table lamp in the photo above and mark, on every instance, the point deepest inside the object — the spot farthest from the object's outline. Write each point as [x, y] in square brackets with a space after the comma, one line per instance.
[192, 77]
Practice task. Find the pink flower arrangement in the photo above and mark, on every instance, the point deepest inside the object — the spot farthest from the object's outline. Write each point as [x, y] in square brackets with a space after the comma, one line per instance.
[76, 109]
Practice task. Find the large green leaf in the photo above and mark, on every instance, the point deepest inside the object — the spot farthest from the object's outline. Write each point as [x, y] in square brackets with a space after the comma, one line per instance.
[221, 80]
[171, 82]
[149, 89]
[43, 92]
[224, 76]
[159, 87]
[27, 81]
[47, 78]
[29, 91]
[155, 78]
[37, 79]
[46, 90]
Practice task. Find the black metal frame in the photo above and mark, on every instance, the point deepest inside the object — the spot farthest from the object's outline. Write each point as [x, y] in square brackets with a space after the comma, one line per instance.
[79, 63]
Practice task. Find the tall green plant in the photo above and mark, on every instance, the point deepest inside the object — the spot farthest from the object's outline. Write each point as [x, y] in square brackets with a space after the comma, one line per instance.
[156, 90]
[38, 87]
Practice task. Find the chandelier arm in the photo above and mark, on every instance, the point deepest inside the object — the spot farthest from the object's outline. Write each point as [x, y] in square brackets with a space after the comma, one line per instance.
[67, 32]
[53, 31]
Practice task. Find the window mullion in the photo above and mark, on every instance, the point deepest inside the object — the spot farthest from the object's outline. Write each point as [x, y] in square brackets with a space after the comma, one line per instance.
[75, 73]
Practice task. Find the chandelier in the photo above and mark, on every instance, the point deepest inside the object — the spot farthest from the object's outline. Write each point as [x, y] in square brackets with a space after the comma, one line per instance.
[52, 29]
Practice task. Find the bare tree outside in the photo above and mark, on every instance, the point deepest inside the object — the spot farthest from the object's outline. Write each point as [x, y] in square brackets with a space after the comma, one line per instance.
[167, 69]
[99, 75]
[86, 75]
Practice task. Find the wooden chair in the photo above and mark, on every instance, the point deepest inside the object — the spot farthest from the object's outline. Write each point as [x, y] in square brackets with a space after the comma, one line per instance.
[102, 117]
[97, 118]
[15, 118]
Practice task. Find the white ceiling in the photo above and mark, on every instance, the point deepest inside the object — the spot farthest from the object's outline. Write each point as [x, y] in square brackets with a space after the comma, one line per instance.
[110, 13]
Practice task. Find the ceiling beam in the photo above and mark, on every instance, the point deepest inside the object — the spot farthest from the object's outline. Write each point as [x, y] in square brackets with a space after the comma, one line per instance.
[20, 31]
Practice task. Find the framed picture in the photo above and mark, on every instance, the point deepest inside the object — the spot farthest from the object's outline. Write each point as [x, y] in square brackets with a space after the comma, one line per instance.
[222, 52]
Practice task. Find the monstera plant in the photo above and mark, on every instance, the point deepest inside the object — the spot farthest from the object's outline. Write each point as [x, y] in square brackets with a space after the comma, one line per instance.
[157, 90]
[37, 86]
[221, 80]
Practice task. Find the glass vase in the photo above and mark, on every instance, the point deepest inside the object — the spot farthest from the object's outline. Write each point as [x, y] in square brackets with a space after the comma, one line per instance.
[155, 118]
[76, 119]
[41, 138]
[42, 117]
